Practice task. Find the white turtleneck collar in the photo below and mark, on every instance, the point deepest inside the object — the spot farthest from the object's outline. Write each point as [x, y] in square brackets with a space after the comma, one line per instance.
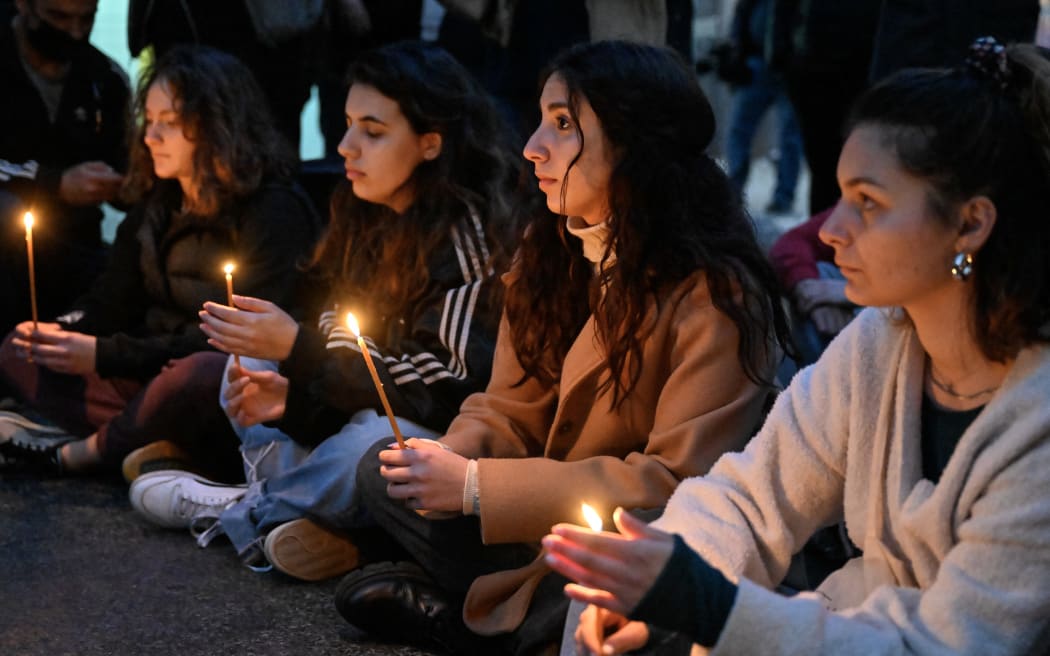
[593, 237]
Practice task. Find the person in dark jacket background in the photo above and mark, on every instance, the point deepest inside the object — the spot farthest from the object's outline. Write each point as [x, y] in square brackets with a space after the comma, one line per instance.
[823, 47]
[210, 183]
[62, 152]
[932, 33]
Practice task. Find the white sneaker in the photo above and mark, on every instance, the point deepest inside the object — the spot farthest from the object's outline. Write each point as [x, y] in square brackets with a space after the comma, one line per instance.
[175, 499]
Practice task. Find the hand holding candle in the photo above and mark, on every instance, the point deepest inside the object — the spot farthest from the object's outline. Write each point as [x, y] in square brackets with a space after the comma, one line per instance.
[228, 269]
[351, 322]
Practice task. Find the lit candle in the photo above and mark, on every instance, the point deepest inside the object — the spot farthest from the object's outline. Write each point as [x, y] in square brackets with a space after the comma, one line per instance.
[228, 269]
[28, 220]
[594, 520]
[356, 330]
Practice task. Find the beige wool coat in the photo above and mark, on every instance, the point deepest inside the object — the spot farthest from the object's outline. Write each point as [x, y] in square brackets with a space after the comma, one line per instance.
[960, 567]
[542, 450]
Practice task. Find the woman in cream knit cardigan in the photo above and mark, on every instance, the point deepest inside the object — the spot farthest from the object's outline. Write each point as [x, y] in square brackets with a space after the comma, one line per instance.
[924, 426]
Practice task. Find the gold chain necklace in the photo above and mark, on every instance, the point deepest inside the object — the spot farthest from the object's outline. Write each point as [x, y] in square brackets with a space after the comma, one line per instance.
[948, 389]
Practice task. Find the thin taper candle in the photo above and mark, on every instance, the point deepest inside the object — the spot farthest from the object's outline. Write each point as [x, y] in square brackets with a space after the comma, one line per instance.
[228, 268]
[28, 220]
[352, 323]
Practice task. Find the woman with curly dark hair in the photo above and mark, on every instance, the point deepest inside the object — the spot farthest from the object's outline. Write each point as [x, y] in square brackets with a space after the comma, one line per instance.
[209, 184]
[416, 239]
[641, 332]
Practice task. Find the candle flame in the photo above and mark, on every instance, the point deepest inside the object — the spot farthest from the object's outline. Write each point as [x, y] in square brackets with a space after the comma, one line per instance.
[352, 323]
[28, 220]
[592, 517]
[228, 268]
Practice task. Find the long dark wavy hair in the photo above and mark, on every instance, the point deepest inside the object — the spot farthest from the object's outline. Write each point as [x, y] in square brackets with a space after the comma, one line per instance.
[225, 114]
[966, 135]
[370, 248]
[673, 212]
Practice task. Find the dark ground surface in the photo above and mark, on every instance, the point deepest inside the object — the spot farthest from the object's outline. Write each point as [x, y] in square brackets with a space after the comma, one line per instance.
[81, 573]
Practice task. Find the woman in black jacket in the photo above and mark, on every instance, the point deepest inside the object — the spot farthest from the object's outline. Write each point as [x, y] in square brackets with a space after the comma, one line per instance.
[210, 184]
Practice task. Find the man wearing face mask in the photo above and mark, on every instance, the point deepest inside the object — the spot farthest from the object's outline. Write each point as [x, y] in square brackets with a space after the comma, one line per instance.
[63, 121]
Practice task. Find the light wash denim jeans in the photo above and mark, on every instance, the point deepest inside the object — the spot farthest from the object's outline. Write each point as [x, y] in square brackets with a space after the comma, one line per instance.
[749, 104]
[287, 481]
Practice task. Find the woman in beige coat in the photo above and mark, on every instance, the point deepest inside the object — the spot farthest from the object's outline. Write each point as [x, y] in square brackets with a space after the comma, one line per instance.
[638, 344]
[925, 424]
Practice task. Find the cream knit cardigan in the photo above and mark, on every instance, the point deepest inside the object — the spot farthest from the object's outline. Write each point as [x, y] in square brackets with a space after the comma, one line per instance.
[958, 567]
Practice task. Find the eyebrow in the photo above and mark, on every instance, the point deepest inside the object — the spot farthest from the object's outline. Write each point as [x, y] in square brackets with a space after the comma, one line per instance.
[557, 104]
[853, 182]
[367, 119]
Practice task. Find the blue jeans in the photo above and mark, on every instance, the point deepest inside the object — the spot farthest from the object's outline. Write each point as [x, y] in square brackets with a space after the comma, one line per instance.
[287, 481]
[749, 105]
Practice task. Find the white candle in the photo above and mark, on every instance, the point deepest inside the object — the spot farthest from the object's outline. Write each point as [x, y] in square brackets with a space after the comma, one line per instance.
[228, 269]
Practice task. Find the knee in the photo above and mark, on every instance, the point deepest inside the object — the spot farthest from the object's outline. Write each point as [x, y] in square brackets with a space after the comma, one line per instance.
[190, 382]
[203, 369]
[370, 483]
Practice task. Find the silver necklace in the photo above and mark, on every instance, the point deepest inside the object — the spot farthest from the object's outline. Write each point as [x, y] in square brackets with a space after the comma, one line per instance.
[948, 389]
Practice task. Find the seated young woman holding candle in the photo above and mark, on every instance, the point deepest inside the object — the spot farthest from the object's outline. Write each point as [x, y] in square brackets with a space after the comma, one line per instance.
[639, 343]
[414, 244]
[924, 425]
[210, 184]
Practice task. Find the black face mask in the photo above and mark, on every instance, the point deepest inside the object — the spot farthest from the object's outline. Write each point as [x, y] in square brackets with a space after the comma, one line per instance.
[51, 42]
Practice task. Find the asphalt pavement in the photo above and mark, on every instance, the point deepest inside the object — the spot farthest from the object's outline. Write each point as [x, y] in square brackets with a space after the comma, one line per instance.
[81, 573]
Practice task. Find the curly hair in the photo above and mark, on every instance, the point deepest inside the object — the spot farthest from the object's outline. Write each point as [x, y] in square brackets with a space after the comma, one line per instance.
[370, 247]
[224, 113]
[673, 212]
[965, 135]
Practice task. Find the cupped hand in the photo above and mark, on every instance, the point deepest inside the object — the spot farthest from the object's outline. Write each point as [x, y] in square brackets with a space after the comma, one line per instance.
[610, 570]
[254, 328]
[253, 397]
[62, 351]
[426, 475]
[603, 632]
[89, 183]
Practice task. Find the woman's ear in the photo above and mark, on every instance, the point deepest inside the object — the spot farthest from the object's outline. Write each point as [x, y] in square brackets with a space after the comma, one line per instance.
[431, 144]
[978, 218]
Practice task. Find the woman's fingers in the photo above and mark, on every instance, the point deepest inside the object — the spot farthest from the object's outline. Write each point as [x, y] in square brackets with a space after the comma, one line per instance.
[252, 304]
[594, 596]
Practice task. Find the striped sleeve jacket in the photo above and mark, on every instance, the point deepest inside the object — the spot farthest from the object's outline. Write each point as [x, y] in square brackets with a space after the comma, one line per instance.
[430, 358]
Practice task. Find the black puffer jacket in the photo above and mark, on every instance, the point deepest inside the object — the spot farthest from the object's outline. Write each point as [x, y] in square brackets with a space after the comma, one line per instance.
[165, 265]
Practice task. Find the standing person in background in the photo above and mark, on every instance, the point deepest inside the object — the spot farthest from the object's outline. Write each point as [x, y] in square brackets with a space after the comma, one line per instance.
[210, 182]
[751, 100]
[924, 425]
[638, 344]
[932, 33]
[284, 63]
[62, 153]
[823, 48]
